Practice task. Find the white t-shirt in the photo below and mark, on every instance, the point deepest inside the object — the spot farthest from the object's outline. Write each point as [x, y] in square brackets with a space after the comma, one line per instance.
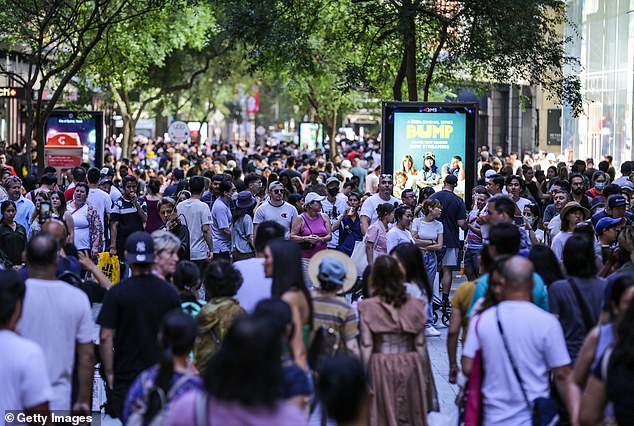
[428, 230]
[558, 243]
[221, 219]
[396, 236]
[284, 215]
[372, 183]
[536, 349]
[81, 228]
[255, 285]
[23, 373]
[193, 213]
[523, 202]
[340, 206]
[369, 206]
[57, 316]
[115, 194]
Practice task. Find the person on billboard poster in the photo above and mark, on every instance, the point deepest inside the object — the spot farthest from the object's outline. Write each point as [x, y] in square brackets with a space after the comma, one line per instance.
[455, 167]
[428, 175]
[400, 183]
[408, 169]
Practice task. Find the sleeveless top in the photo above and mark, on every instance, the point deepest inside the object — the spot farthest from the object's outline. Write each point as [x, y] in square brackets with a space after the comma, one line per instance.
[318, 227]
[604, 341]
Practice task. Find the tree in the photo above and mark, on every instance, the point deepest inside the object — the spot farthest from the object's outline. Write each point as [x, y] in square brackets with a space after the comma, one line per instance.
[467, 42]
[56, 38]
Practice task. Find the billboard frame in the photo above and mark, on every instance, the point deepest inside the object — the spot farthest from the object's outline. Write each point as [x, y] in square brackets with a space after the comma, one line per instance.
[100, 128]
[471, 143]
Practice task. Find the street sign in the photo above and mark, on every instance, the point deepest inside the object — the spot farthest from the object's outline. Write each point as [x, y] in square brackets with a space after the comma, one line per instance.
[253, 104]
[179, 131]
[11, 92]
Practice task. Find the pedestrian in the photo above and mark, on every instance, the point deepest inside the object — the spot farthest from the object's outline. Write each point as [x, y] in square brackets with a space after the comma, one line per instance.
[572, 214]
[23, 372]
[13, 236]
[276, 209]
[474, 240]
[311, 230]
[24, 207]
[282, 263]
[171, 223]
[128, 216]
[130, 318]
[577, 301]
[428, 235]
[516, 375]
[152, 201]
[59, 210]
[393, 347]
[546, 264]
[399, 233]
[244, 384]
[242, 228]
[369, 213]
[349, 225]
[155, 389]
[334, 274]
[221, 281]
[57, 316]
[166, 246]
[334, 206]
[196, 217]
[453, 216]
[88, 231]
[376, 235]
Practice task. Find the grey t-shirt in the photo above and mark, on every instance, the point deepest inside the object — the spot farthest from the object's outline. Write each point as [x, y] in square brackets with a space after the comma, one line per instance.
[194, 214]
[284, 215]
[220, 219]
[242, 228]
[563, 303]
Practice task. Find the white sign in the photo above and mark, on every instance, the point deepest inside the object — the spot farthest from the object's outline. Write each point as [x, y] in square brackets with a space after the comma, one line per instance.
[179, 131]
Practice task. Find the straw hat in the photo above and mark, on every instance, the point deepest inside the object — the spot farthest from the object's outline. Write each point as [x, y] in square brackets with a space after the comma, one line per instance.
[348, 280]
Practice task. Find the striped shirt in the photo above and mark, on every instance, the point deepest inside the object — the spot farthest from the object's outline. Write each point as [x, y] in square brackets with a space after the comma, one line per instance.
[334, 312]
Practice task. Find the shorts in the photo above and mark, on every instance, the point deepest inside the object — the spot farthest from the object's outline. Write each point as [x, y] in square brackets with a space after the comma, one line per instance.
[451, 257]
[472, 260]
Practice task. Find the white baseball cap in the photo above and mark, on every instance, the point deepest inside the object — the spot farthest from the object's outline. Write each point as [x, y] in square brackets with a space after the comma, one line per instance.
[313, 196]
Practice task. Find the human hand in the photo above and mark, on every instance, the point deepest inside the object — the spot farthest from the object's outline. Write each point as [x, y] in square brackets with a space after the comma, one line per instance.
[113, 251]
[453, 374]
[85, 261]
[81, 408]
[210, 255]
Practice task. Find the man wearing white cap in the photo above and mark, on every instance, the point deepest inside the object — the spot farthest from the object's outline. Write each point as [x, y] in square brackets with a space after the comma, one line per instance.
[276, 210]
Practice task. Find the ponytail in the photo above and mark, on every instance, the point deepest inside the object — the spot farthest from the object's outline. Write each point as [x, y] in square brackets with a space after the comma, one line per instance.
[158, 394]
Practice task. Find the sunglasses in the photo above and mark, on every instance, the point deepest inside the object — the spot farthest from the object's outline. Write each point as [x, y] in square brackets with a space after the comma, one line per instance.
[277, 191]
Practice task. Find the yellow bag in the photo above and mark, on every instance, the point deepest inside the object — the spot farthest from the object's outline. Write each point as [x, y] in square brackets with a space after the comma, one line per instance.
[109, 265]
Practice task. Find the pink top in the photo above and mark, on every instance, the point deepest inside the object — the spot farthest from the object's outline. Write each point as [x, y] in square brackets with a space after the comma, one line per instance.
[377, 234]
[318, 227]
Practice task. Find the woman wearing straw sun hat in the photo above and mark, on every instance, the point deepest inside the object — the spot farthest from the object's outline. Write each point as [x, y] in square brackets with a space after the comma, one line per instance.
[571, 214]
[334, 274]
[242, 230]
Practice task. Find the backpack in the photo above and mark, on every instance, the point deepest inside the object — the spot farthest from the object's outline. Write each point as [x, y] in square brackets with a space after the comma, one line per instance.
[136, 418]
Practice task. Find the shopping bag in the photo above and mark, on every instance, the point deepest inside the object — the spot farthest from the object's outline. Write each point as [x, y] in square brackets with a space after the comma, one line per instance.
[359, 257]
[110, 267]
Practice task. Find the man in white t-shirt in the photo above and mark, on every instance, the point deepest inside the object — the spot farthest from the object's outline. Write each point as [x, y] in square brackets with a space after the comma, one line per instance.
[57, 316]
[196, 216]
[275, 209]
[536, 341]
[255, 285]
[372, 180]
[97, 198]
[334, 205]
[222, 222]
[368, 210]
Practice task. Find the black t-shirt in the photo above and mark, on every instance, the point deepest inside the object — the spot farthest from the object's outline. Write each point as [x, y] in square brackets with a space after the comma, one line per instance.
[125, 214]
[619, 387]
[134, 309]
[453, 210]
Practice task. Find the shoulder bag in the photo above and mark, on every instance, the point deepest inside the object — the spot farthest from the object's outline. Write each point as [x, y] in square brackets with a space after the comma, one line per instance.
[305, 245]
[545, 411]
[583, 306]
[473, 399]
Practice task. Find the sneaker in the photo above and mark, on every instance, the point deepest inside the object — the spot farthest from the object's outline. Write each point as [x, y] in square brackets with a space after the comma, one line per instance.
[430, 331]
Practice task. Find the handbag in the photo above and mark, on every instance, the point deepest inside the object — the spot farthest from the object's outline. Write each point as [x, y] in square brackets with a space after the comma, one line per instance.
[545, 411]
[359, 258]
[473, 398]
[305, 245]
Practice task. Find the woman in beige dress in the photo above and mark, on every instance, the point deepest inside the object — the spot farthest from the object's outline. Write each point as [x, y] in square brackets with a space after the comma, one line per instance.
[393, 347]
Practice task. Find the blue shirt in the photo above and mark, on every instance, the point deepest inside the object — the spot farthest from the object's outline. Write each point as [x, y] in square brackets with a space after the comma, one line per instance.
[221, 219]
[540, 295]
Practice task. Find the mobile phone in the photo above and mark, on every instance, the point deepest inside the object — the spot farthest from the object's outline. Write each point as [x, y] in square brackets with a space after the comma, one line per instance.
[45, 211]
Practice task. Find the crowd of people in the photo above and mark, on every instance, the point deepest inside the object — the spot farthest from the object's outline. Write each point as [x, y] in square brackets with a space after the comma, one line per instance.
[280, 286]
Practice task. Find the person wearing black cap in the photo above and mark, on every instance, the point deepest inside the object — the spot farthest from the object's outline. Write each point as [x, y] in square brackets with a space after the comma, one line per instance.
[454, 215]
[130, 318]
[616, 207]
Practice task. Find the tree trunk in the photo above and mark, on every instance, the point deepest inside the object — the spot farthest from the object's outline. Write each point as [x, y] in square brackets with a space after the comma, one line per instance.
[333, 133]
[129, 125]
[397, 89]
[410, 53]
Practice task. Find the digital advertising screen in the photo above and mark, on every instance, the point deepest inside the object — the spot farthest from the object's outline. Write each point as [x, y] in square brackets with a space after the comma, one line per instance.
[311, 135]
[87, 125]
[423, 143]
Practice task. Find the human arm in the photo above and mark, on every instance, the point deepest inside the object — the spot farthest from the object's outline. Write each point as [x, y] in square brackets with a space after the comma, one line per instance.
[85, 372]
[328, 235]
[593, 402]
[568, 392]
[106, 336]
[297, 340]
[364, 222]
[208, 239]
[583, 363]
[366, 341]
[452, 343]
[139, 204]
[41, 409]
[86, 262]
[113, 237]
[70, 226]
[95, 232]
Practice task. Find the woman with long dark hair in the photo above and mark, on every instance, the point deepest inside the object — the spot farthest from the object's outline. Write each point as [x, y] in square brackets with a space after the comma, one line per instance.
[545, 264]
[282, 263]
[13, 236]
[244, 383]
[156, 387]
[613, 378]
[60, 211]
[393, 347]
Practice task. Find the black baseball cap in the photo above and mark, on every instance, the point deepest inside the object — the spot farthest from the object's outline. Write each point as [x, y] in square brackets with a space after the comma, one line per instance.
[139, 248]
[451, 180]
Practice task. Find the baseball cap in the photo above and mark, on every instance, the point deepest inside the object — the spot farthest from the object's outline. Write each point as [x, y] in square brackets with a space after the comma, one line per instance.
[489, 173]
[597, 202]
[139, 248]
[104, 180]
[627, 186]
[332, 179]
[451, 180]
[605, 223]
[107, 171]
[312, 196]
[346, 164]
[332, 270]
[616, 201]
[275, 184]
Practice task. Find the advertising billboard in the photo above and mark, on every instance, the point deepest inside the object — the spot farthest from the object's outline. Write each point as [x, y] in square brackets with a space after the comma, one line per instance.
[311, 135]
[87, 126]
[424, 142]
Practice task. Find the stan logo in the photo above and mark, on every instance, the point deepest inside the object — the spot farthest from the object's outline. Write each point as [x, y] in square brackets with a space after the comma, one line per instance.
[140, 247]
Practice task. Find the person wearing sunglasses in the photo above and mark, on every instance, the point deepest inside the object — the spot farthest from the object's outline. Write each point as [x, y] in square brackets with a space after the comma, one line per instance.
[275, 209]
